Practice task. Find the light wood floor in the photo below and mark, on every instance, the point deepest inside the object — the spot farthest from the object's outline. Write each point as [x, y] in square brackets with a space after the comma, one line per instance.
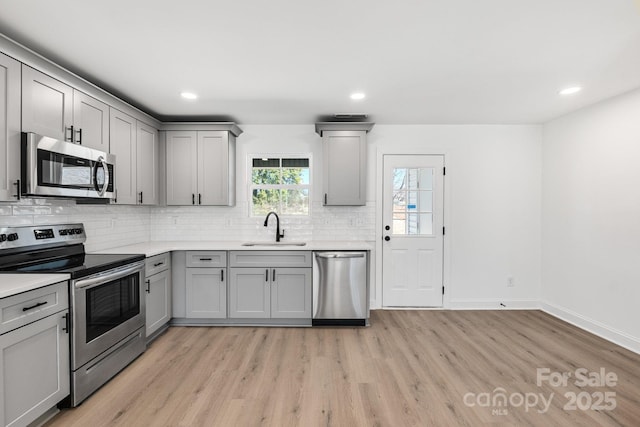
[410, 368]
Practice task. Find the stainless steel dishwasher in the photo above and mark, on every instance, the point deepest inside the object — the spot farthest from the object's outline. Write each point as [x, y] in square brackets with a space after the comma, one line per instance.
[340, 288]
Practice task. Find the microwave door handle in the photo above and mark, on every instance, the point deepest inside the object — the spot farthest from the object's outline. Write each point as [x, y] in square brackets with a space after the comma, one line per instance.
[104, 166]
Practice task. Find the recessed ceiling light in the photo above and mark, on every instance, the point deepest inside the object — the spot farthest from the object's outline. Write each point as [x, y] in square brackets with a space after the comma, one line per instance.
[189, 95]
[357, 96]
[570, 90]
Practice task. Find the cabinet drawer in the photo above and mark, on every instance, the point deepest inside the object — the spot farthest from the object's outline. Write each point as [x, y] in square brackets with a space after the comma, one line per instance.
[21, 309]
[206, 258]
[158, 263]
[270, 259]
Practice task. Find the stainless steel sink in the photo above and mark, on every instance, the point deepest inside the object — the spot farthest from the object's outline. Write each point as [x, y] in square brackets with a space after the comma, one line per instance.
[274, 244]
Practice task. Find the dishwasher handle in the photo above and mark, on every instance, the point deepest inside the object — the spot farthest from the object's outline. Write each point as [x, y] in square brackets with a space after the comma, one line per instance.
[340, 254]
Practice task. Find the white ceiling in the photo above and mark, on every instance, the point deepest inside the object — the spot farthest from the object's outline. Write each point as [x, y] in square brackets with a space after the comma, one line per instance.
[291, 61]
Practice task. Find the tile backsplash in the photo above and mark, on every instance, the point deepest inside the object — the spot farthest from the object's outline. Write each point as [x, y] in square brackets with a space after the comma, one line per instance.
[109, 226]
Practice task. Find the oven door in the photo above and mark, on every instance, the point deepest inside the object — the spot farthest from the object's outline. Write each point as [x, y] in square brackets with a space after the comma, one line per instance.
[106, 308]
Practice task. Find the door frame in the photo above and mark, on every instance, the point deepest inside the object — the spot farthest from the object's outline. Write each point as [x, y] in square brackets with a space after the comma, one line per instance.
[446, 243]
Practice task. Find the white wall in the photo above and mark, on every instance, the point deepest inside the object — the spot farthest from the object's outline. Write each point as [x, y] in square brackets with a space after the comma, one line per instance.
[591, 218]
[492, 207]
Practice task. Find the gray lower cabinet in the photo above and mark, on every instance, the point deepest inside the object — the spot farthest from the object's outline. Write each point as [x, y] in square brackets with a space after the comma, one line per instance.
[270, 284]
[34, 357]
[206, 293]
[206, 285]
[158, 293]
[276, 293]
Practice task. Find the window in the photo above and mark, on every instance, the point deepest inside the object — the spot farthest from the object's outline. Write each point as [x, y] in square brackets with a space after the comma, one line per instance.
[281, 185]
[413, 201]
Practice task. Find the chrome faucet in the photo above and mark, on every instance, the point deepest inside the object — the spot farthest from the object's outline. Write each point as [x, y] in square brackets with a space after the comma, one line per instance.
[266, 222]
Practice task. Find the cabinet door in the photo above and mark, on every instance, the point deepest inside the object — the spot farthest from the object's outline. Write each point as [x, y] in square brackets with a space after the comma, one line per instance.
[90, 122]
[9, 127]
[158, 303]
[249, 293]
[47, 105]
[344, 167]
[213, 168]
[291, 293]
[34, 369]
[123, 145]
[182, 173]
[147, 164]
[206, 293]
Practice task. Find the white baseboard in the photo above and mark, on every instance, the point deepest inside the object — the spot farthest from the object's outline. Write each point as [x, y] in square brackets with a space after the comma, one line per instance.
[492, 304]
[603, 331]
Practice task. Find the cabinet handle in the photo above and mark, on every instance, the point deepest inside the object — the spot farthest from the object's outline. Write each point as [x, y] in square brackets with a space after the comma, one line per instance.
[193, 199]
[67, 323]
[206, 259]
[141, 197]
[115, 196]
[69, 139]
[18, 190]
[158, 264]
[325, 198]
[148, 286]
[79, 132]
[199, 198]
[34, 306]
[222, 275]
[266, 275]
[273, 277]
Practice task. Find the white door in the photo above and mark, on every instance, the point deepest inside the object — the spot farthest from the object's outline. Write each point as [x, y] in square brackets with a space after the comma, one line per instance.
[412, 231]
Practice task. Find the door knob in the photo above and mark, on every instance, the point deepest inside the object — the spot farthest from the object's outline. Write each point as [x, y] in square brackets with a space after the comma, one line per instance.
[387, 238]
[386, 227]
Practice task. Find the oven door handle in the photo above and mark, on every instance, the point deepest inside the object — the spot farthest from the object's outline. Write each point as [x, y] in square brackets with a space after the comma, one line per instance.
[108, 276]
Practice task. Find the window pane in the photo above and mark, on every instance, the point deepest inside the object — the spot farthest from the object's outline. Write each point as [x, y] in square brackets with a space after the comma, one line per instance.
[295, 202]
[294, 176]
[265, 176]
[266, 163]
[295, 163]
[425, 178]
[399, 175]
[265, 201]
[399, 200]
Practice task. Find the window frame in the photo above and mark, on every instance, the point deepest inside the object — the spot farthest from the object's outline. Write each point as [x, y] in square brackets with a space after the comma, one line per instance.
[251, 186]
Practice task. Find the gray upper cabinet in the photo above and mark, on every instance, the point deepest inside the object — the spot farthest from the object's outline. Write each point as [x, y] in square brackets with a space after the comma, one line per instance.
[182, 172]
[123, 145]
[52, 108]
[147, 164]
[200, 168]
[90, 122]
[9, 128]
[47, 105]
[344, 161]
[135, 146]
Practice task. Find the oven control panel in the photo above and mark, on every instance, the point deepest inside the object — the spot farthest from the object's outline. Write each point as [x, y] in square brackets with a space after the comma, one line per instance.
[19, 237]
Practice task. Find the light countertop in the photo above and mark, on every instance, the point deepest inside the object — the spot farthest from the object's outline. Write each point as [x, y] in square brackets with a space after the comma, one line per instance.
[154, 248]
[12, 283]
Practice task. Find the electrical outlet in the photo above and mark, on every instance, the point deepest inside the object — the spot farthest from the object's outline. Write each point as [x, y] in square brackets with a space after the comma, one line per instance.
[510, 282]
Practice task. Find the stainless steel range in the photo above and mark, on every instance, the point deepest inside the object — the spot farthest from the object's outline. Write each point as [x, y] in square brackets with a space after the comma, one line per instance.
[107, 301]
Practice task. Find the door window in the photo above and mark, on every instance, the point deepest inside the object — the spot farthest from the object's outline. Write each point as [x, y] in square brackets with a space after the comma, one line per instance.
[412, 201]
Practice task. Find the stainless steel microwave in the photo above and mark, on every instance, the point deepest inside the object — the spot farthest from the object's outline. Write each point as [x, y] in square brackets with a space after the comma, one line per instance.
[53, 168]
